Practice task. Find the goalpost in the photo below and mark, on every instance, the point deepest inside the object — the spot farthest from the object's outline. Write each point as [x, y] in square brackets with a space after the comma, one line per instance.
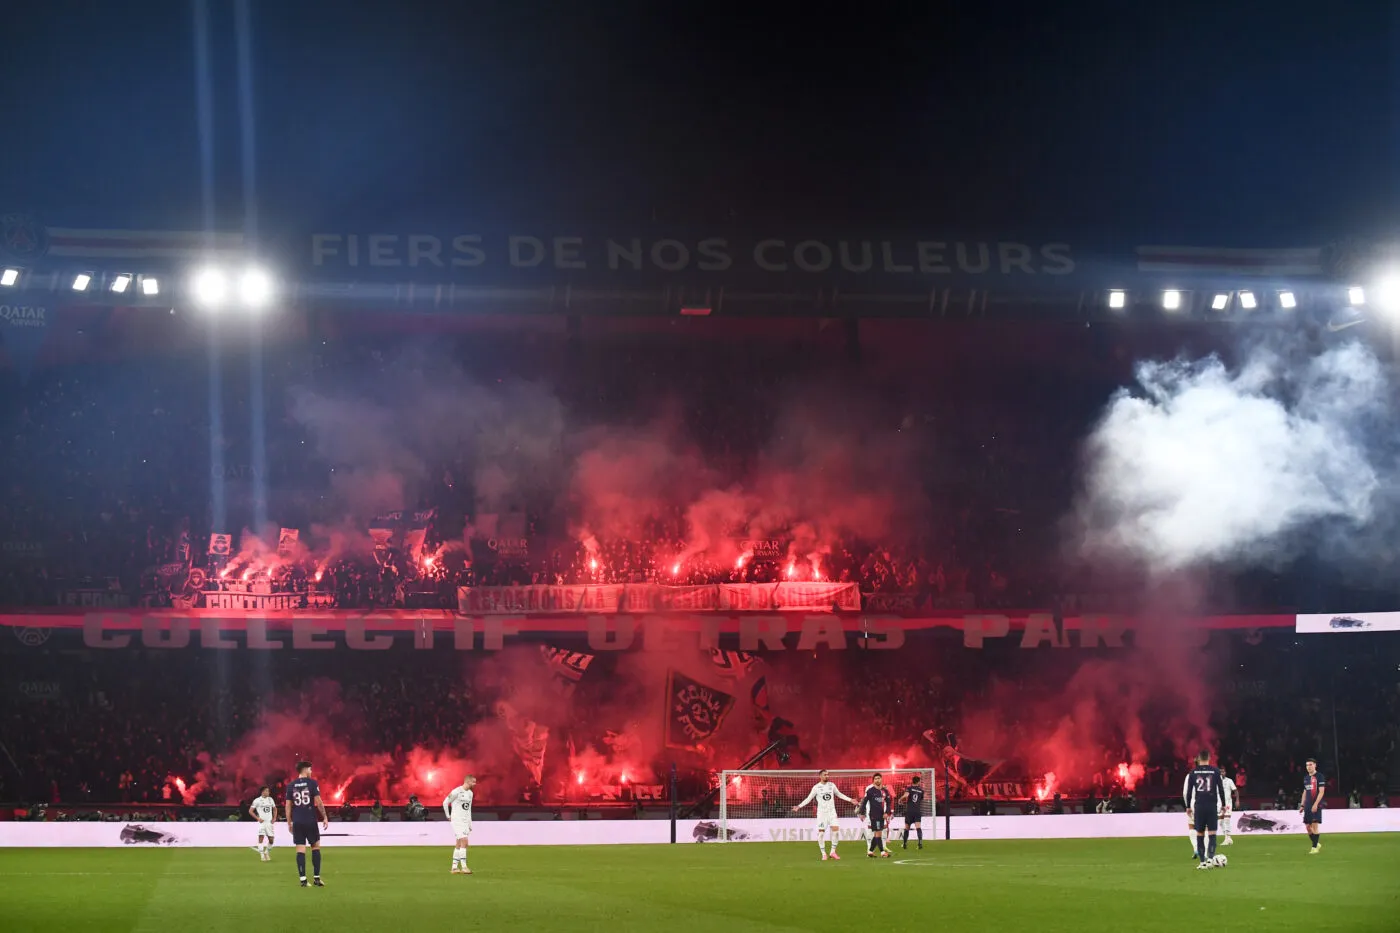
[756, 805]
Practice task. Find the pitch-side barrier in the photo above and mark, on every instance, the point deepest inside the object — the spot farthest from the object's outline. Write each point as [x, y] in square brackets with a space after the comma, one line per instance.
[656, 832]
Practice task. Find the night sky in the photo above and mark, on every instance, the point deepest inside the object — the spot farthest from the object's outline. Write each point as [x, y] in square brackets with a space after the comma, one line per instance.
[1267, 123]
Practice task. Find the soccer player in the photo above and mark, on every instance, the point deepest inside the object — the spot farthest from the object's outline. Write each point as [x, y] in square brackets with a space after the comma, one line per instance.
[875, 806]
[264, 810]
[458, 807]
[1204, 795]
[304, 804]
[824, 792]
[1232, 800]
[913, 800]
[1314, 787]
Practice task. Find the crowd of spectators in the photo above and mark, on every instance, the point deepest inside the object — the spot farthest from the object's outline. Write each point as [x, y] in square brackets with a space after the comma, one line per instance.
[114, 469]
[80, 727]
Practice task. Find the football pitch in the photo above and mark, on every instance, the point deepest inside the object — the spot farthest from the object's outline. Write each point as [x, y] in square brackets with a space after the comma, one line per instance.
[1084, 886]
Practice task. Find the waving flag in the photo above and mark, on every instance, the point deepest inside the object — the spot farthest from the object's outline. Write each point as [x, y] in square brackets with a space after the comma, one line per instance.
[694, 712]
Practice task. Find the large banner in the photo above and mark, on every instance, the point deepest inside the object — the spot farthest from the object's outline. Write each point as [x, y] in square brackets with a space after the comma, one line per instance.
[650, 597]
[694, 712]
[484, 256]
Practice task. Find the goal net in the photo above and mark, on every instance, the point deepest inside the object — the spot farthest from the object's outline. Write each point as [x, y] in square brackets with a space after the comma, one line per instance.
[757, 805]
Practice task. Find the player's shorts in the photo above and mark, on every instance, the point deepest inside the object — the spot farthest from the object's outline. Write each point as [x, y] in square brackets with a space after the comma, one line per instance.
[827, 822]
[305, 834]
[461, 829]
[265, 829]
[1312, 816]
[912, 820]
[1207, 821]
[877, 822]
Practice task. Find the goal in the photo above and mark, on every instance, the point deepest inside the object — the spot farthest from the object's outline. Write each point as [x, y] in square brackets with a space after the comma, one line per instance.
[757, 805]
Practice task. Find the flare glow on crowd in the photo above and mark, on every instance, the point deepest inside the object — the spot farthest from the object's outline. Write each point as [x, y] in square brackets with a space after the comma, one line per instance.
[934, 475]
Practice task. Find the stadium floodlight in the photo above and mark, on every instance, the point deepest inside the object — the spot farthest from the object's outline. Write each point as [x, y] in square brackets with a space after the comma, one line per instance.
[210, 287]
[121, 283]
[1387, 293]
[1248, 301]
[150, 285]
[1356, 296]
[255, 288]
[1171, 299]
[1220, 302]
[1288, 300]
[1117, 299]
[9, 277]
[81, 281]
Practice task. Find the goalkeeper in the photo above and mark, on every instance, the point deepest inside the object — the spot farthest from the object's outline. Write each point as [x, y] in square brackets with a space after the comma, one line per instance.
[824, 792]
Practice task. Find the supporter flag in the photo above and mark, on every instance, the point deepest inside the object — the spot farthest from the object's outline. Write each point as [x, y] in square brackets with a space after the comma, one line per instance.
[220, 545]
[759, 695]
[287, 541]
[382, 529]
[694, 712]
[528, 738]
[735, 664]
[966, 771]
[567, 666]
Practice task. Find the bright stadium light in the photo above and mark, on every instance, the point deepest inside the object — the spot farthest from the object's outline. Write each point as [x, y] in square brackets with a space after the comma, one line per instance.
[1171, 299]
[210, 287]
[1356, 296]
[1117, 299]
[9, 277]
[1220, 302]
[81, 281]
[255, 288]
[1288, 300]
[121, 283]
[1248, 301]
[150, 286]
[1387, 293]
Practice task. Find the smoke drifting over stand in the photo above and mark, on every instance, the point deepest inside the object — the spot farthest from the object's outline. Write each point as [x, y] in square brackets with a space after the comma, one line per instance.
[1202, 464]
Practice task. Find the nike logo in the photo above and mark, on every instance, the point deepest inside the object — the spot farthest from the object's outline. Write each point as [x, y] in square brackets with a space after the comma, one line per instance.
[1334, 326]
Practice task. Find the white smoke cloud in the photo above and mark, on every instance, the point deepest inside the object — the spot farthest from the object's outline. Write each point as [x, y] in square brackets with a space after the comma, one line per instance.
[1204, 464]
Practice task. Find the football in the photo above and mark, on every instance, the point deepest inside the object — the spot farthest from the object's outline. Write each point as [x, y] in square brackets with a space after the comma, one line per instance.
[1221, 861]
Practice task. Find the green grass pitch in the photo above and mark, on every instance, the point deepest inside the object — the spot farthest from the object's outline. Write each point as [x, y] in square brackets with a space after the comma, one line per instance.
[1081, 886]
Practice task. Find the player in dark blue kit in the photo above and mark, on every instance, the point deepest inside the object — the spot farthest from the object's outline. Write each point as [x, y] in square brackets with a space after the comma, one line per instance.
[875, 806]
[1314, 787]
[1204, 796]
[913, 800]
[304, 805]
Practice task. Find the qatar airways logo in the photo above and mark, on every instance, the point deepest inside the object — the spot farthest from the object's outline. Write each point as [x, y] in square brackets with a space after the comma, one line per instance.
[713, 254]
[24, 315]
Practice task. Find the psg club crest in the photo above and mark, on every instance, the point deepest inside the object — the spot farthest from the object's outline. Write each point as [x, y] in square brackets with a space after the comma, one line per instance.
[22, 238]
[33, 637]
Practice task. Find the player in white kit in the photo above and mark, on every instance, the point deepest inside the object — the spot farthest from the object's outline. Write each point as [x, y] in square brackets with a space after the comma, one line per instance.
[825, 793]
[1232, 798]
[264, 810]
[458, 807]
